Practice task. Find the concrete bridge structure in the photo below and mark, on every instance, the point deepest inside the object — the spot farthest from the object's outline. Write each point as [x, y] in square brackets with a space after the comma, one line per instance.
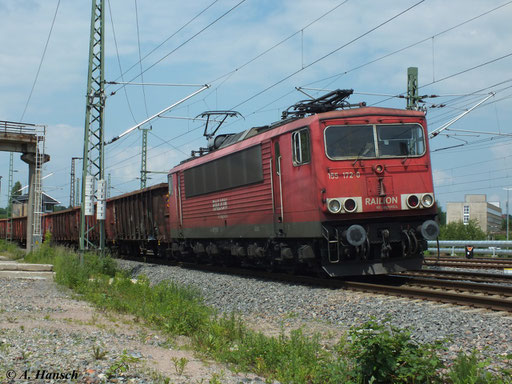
[26, 139]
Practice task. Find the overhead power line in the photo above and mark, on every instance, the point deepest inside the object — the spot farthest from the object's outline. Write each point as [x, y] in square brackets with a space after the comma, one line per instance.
[140, 58]
[279, 43]
[453, 75]
[168, 38]
[338, 75]
[119, 61]
[41, 61]
[329, 54]
[392, 53]
[466, 189]
[185, 42]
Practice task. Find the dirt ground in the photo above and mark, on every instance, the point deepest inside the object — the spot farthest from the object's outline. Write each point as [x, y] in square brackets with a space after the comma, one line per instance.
[31, 307]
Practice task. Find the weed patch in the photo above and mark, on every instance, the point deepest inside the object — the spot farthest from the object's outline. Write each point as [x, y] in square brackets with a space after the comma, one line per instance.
[12, 251]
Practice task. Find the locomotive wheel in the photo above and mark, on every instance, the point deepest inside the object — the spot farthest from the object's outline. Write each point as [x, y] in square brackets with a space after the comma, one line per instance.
[364, 250]
[414, 242]
[406, 244]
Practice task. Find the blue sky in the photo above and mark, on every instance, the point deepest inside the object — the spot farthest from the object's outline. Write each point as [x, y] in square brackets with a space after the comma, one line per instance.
[462, 65]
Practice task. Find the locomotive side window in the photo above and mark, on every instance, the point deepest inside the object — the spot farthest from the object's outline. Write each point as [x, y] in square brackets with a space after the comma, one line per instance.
[300, 143]
[374, 141]
[231, 171]
[354, 141]
[278, 155]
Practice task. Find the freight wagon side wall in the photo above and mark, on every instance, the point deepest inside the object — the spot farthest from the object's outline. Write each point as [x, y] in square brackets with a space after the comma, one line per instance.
[139, 216]
[63, 225]
[19, 229]
[3, 228]
[244, 211]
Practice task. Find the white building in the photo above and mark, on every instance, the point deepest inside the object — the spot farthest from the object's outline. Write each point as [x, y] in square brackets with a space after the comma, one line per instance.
[488, 215]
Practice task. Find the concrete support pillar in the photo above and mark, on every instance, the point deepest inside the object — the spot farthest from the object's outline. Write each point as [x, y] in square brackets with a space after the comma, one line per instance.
[30, 159]
[30, 208]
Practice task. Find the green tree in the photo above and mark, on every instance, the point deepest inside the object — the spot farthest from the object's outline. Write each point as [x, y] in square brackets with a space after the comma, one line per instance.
[460, 231]
[441, 215]
[504, 222]
[16, 189]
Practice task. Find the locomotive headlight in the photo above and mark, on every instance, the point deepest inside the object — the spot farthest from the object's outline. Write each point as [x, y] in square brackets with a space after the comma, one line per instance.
[379, 168]
[350, 205]
[413, 201]
[427, 200]
[334, 206]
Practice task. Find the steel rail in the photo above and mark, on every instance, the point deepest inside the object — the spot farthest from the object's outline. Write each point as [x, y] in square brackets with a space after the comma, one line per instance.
[489, 289]
[475, 260]
[472, 265]
[468, 263]
[432, 294]
[467, 299]
[461, 275]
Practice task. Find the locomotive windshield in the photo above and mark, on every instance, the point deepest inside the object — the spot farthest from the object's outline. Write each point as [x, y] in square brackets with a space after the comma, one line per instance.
[374, 141]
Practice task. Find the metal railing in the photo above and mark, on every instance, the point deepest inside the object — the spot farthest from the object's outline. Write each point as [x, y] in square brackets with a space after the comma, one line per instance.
[20, 128]
[482, 247]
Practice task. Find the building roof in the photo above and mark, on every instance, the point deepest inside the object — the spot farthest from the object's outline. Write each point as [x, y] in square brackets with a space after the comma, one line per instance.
[47, 199]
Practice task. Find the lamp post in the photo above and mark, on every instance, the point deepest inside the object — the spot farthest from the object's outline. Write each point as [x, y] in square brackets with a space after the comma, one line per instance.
[507, 189]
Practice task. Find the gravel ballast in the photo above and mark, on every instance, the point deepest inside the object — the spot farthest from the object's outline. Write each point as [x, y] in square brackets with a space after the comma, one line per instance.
[274, 303]
[44, 329]
[45, 332]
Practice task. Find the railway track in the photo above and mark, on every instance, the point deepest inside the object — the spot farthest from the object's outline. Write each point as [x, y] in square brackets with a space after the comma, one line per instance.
[439, 289]
[481, 295]
[481, 277]
[482, 263]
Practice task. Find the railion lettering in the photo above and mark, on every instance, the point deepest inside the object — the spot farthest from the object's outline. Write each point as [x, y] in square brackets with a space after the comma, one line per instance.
[383, 200]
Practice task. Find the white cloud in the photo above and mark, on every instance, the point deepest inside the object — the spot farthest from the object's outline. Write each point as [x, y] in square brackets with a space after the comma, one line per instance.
[252, 28]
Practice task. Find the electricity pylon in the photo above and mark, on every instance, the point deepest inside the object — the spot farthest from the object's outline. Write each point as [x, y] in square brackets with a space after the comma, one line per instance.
[93, 157]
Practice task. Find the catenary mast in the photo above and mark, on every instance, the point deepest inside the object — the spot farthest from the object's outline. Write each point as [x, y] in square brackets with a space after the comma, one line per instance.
[93, 155]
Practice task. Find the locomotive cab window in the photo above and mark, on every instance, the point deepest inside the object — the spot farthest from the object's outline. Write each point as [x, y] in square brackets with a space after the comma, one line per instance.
[374, 141]
[301, 147]
[400, 140]
[349, 141]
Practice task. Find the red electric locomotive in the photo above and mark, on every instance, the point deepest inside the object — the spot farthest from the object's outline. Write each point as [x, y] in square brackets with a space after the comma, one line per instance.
[346, 190]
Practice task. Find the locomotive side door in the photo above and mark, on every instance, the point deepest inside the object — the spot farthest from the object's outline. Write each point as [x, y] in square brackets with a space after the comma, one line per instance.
[175, 209]
[277, 188]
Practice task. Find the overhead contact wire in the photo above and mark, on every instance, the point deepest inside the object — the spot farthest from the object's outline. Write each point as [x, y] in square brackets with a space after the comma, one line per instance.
[119, 61]
[185, 42]
[41, 61]
[169, 37]
[329, 54]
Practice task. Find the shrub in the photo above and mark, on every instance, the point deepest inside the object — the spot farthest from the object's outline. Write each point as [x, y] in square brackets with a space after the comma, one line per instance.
[460, 231]
[471, 369]
[386, 354]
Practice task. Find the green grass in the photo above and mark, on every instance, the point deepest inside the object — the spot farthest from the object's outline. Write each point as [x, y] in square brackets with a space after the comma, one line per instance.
[374, 352]
[11, 250]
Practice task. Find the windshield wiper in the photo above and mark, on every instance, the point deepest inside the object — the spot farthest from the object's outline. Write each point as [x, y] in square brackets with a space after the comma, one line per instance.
[405, 148]
[363, 151]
